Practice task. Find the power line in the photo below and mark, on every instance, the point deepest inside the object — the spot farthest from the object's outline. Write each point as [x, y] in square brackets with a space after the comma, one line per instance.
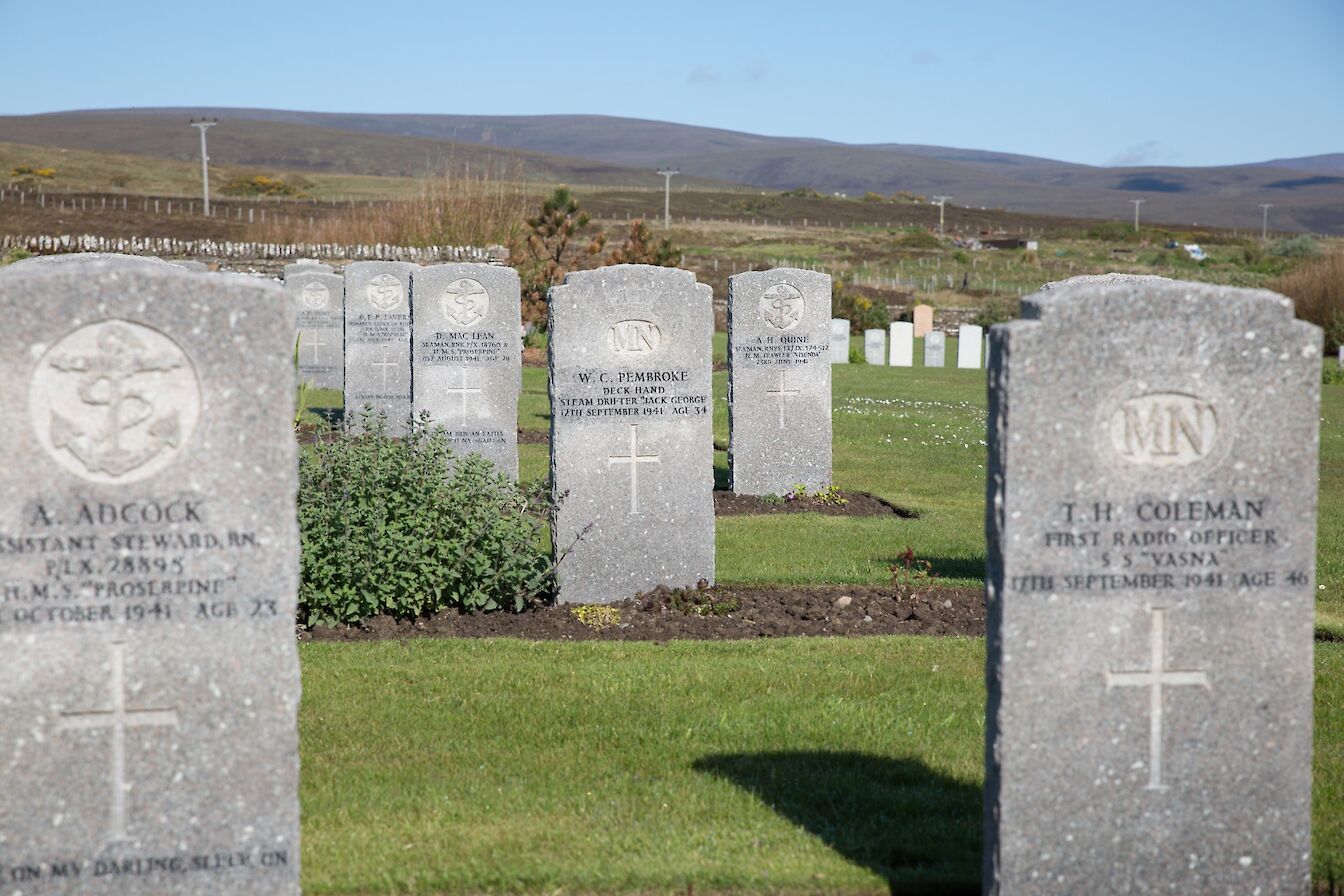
[1264, 220]
[667, 195]
[1137, 203]
[201, 124]
[941, 202]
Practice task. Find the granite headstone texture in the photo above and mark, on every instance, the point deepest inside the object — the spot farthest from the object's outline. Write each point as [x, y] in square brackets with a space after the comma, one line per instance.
[149, 682]
[378, 340]
[632, 446]
[190, 264]
[902, 344]
[779, 381]
[923, 320]
[308, 264]
[48, 261]
[1151, 522]
[875, 347]
[318, 300]
[468, 357]
[935, 348]
[970, 345]
[839, 341]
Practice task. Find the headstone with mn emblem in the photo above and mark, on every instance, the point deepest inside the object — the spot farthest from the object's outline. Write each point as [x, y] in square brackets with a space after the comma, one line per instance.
[149, 683]
[318, 299]
[632, 443]
[468, 357]
[1151, 521]
[779, 381]
[378, 340]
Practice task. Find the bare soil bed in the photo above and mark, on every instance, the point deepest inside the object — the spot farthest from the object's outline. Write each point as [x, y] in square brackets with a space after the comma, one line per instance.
[713, 614]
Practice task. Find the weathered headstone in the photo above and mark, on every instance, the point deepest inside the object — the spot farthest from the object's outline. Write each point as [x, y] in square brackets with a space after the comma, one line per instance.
[970, 340]
[632, 453]
[902, 344]
[308, 264]
[318, 300]
[149, 682]
[923, 320]
[1151, 523]
[191, 264]
[779, 381]
[874, 347]
[78, 258]
[468, 357]
[935, 348]
[378, 340]
[839, 341]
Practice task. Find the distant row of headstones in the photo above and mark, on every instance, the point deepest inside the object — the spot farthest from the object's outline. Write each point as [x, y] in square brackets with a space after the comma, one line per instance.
[1150, 520]
[971, 346]
[631, 355]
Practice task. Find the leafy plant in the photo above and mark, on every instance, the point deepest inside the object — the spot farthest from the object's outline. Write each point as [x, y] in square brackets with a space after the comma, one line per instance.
[405, 527]
[862, 312]
[910, 573]
[995, 311]
[830, 495]
[16, 253]
[1300, 246]
[702, 602]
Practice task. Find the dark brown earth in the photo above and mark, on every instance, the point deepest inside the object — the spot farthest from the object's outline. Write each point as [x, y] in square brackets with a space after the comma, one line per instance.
[856, 504]
[713, 614]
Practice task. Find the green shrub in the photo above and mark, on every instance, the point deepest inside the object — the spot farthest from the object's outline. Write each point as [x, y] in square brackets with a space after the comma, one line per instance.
[16, 253]
[917, 238]
[1301, 246]
[402, 526]
[862, 312]
[995, 311]
[857, 357]
[1113, 232]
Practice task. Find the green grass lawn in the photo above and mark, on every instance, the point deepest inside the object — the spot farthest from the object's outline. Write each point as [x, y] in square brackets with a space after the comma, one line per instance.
[794, 765]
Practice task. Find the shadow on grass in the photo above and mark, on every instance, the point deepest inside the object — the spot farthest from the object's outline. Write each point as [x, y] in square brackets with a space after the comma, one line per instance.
[918, 828]
[948, 567]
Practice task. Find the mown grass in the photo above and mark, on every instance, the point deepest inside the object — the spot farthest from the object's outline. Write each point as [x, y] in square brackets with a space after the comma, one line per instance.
[786, 766]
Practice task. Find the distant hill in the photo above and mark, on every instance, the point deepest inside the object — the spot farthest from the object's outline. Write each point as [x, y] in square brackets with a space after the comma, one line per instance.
[1307, 194]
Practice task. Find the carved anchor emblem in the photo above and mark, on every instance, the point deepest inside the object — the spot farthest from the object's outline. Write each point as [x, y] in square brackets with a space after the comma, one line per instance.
[782, 306]
[108, 380]
[465, 302]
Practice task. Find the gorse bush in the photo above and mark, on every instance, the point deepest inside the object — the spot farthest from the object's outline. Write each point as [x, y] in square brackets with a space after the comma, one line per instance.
[402, 526]
[862, 312]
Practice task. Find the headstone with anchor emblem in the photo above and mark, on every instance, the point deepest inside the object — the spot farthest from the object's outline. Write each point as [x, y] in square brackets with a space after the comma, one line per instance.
[779, 381]
[632, 440]
[318, 299]
[378, 340]
[149, 681]
[468, 357]
[1151, 521]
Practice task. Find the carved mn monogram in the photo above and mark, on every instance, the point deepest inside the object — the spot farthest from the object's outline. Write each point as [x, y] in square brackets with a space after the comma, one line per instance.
[114, 401]
[315, 295]
[385, 292]
[634, 337]
[782, 307]
[1164, 429]
[465, 302]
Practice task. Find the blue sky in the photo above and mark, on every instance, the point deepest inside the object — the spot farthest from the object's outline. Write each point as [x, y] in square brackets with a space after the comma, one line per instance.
[1170, 83]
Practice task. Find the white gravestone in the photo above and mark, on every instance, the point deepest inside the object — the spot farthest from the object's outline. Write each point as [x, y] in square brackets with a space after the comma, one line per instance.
[969, 344]
[839, 341]
[935, 348]
[318, 300]
[378, 341]
[779, 381]
[468, 357]
[874, 347]
[1151, 522]
[632, 442]
[149, 680]
[902, 344]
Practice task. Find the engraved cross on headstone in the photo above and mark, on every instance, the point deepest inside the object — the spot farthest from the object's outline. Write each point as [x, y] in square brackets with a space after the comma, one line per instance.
[1154, 678]
[463, 390]
[315, 342]
[784, 395]
[118, 719]
[634, 459]
[385, 363]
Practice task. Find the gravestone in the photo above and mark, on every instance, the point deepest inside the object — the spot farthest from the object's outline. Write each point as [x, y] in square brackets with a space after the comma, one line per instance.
[874, 347]
[378, 340]
[78, 258]
[149, 682]
[923, 320]
[902, 344]
[970, 339]
[468, 357]
[190, 264]
[308, 264]
[318, 300]
[1151, 530]
[779, 381]
[935, 348]
[839, 341]
[632, 453]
